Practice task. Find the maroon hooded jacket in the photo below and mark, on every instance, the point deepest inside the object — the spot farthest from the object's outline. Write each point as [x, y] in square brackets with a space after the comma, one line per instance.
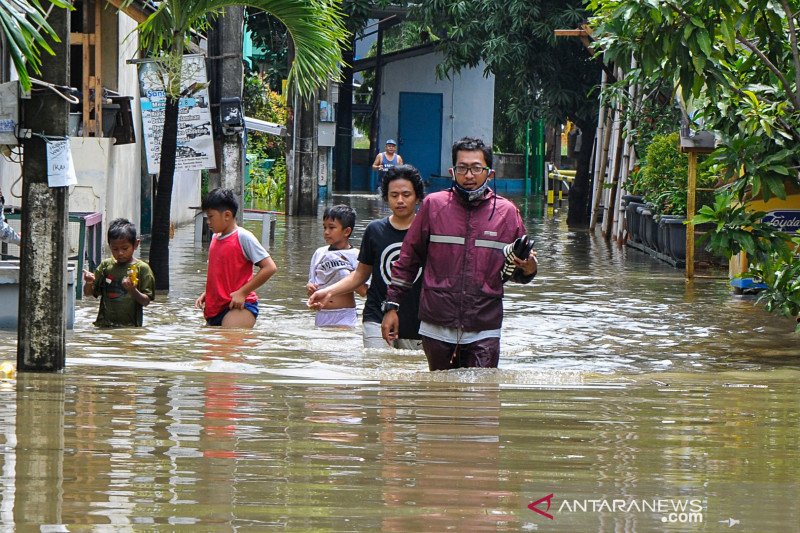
[460, 247]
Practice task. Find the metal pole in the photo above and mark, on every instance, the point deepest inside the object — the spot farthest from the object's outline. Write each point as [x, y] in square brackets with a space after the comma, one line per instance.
[527, 159]
[539, 176]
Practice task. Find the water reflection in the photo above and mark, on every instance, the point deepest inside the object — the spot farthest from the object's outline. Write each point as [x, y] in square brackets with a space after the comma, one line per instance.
[617, 379]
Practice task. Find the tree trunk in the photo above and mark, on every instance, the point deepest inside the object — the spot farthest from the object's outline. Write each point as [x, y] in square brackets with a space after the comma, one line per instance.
[580, 195]
[159, 245]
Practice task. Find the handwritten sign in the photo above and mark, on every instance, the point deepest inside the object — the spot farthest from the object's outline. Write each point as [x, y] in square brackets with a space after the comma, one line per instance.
[60, 170]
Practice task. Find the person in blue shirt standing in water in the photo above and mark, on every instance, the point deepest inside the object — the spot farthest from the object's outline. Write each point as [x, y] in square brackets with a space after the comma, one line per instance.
[387, 159]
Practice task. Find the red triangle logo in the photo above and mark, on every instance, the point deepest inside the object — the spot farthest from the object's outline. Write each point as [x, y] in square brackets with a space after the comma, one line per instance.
[532, 506]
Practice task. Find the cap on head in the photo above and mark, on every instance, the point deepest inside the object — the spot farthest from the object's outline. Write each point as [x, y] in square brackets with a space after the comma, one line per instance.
[391, 141]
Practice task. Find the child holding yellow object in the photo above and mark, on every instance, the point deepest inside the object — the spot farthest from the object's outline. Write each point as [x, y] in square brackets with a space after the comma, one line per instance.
[124, 283]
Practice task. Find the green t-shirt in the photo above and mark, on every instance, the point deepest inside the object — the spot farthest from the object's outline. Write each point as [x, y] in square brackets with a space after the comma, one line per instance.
[117, 307]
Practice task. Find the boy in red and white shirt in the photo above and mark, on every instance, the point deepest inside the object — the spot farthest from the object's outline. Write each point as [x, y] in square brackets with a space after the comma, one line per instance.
[230, 300]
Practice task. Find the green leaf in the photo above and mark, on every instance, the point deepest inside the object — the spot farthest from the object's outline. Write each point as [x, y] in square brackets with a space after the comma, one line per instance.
[704, 41]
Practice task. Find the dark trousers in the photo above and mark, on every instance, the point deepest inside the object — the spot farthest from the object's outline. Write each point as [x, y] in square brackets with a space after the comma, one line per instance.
[484, 353]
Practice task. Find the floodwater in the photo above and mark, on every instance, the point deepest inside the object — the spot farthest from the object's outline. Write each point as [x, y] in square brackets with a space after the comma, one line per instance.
[627, 400]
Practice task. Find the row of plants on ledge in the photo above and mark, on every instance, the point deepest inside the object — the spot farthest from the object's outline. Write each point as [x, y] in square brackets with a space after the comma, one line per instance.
[661, 178]
[735, 64]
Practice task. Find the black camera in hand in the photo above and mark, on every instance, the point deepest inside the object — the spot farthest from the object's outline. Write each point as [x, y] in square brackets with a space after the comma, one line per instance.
[520, 249]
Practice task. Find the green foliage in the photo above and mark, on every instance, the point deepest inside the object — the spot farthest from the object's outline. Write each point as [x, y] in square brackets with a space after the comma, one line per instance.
[263, 103]
[269, 34]
[739, 230]
[268, 187]
[654, 114]
[542, 76]
[662, 178]
[315, 26]
[771, 253]
[25, 31]
[737, 66]
[782, 278]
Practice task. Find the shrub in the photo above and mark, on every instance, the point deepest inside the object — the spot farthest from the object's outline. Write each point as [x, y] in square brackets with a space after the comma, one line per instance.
[263, 103]
[663, 176]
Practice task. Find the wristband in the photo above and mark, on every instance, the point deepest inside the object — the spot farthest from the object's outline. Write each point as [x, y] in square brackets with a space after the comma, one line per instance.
[387, 305]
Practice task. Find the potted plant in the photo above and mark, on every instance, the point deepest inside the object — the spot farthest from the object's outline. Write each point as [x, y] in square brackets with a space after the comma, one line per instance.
[662, 180]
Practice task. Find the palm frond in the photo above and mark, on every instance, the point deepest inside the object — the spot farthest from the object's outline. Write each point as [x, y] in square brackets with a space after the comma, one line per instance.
[316, 27]
[26, 30]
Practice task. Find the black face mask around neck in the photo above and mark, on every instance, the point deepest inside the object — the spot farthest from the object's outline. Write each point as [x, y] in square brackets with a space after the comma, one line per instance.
[471, 196]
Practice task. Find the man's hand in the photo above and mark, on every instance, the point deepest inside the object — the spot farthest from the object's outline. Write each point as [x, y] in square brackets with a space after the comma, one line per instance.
[518, 255]
[530, 265]
[318, 299]
[200, 303]
[390, 326]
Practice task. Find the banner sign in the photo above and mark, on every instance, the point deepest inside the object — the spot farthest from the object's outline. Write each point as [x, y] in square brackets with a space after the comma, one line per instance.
[195, 150]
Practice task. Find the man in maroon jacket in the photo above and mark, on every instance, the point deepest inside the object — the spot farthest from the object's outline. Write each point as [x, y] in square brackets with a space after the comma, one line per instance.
[461, 239]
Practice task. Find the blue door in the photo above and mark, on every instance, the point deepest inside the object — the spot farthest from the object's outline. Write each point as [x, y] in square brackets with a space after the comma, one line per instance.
[419, 135]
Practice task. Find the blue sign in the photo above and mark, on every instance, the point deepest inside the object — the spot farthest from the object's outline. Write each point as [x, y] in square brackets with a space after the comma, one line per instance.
[787, 221]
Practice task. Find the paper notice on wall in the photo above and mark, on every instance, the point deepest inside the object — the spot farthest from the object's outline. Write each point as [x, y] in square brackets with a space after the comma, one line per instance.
[60, 170]
[195, 148]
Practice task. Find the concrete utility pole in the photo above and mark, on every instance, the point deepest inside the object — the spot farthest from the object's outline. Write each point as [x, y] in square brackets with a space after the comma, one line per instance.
[374, 142]
[41, 342]
[226, 74]
[306, 163]
[344, 122]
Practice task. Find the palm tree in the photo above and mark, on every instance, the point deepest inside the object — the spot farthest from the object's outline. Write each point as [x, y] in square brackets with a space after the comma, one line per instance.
[25, 31]
[317, 31]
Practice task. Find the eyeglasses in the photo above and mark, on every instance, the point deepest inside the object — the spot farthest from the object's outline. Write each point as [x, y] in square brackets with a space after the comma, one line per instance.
[462, 170]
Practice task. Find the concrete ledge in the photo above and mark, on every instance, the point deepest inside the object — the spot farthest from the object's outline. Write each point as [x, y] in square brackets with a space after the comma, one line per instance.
[9, 295]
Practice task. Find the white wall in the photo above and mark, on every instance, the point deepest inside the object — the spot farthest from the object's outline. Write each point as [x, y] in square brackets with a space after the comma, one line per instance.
[468, 100]
[125, 167]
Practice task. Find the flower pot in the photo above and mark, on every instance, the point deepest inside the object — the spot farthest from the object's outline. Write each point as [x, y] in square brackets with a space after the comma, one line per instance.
[648, 228]
[633, 221]
[631, 198]
[664, 234]
[677, 240]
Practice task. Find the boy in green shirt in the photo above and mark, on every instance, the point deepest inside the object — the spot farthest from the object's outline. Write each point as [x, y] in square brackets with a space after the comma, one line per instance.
[125, 284]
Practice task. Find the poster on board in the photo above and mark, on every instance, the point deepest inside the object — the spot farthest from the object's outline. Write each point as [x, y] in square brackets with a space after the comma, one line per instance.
[195, 150]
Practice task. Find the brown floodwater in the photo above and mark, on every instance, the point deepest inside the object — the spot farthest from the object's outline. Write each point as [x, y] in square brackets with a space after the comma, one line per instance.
[638, 401]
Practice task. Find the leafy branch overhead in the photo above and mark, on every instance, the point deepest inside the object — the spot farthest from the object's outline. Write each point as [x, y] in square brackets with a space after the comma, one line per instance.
[548, 77]
[736, 66]
[316, 28]
[26, 32]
